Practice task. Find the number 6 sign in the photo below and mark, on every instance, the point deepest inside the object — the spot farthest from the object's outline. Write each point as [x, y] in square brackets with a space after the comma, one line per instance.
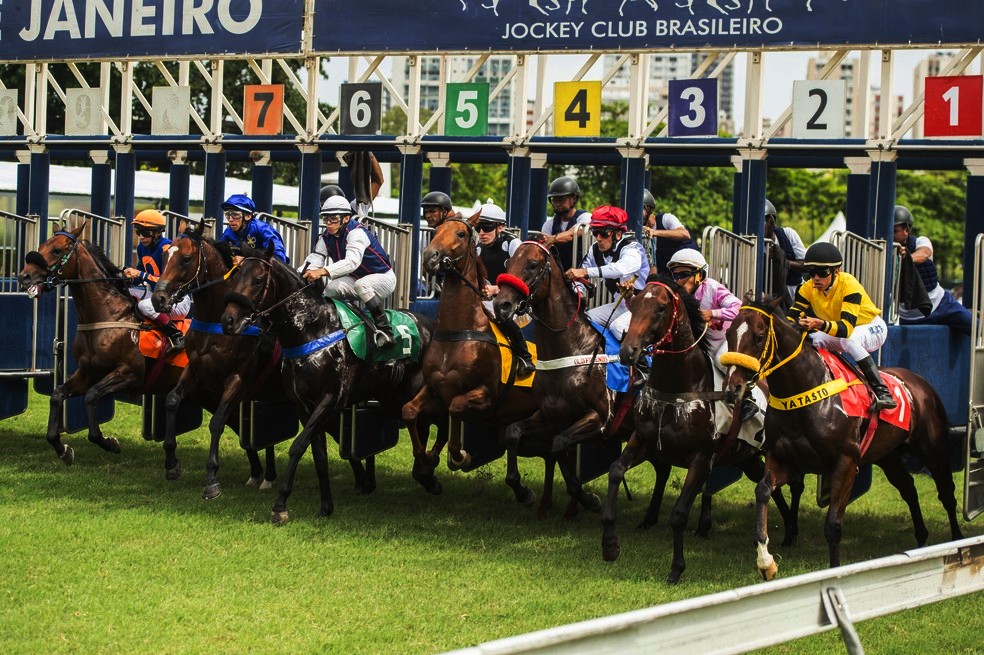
[953, 106]
[693, 107]
[361, 105]
[263, 109]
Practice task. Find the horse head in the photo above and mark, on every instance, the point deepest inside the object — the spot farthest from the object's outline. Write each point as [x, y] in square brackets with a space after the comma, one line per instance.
[527, 280]
[252, 290]
[452, 241]
[185, 265]
[663, 314]
[50, 262]
[752, 342]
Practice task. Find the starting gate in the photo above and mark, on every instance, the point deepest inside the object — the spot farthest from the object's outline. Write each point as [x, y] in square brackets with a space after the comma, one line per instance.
[974, 464]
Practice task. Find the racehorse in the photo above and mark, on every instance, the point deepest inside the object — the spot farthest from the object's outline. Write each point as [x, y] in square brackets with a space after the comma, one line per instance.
[821, 437]
[575, 404]
[222, 370]
[321, 372]
[674, 414]
[463, 364]
[106, 346]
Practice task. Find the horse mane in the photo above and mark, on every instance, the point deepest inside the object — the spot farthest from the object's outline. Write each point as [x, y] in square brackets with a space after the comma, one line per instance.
[109, 269]
[690, 304]
[224, 248]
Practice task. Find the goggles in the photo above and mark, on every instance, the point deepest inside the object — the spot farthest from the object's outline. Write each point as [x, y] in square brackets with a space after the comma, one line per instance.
[602, 232]
[331, 219]
[487, 227]
[819, 271]
[146, 231]
[236, 215]
[683, 273]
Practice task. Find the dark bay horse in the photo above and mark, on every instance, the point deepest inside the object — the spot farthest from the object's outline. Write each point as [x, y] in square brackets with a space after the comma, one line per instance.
[821, 437]
[575, 404]
[223, 370]
[674, 414]
[463, 364]
[106, 346]
[321, 373]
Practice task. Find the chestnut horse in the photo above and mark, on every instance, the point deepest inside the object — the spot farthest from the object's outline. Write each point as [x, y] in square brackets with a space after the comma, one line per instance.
[222, 370]
[821, 437]
[105, 347]
[575, 404]
[463, 364]
[321, 372]
[674, 414]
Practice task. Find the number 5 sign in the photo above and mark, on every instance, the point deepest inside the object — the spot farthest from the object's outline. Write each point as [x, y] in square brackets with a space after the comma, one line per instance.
[361, 105]
[467, 111]
[263, 109]
[953, 106]
[693, 107]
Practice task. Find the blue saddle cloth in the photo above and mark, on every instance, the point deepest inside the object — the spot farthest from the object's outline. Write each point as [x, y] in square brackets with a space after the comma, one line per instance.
[618, 373]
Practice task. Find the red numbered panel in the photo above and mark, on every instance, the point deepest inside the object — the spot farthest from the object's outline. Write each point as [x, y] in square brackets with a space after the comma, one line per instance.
[953, 106]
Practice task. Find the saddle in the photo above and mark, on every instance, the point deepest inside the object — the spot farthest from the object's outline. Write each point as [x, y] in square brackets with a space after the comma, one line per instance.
[360, 331]
[152, 342]
[506, 358]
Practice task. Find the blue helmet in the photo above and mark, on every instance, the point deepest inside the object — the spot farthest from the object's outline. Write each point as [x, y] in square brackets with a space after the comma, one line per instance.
[239, 201]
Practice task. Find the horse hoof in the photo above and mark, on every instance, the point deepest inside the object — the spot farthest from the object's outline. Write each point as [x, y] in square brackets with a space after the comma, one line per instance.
[611, 552]
[254, 481]
[266, 485]
[278, 518]
[326, 511]
[591, 502]
[365, 488]
[212, 491]
[173, 474]
[113, 445]
[674, 576]
[647, 524]
[790, 542]
[769, 572]
[436, 488]
[461, 463]
[68, 456]
[703, 532]
[530, 499]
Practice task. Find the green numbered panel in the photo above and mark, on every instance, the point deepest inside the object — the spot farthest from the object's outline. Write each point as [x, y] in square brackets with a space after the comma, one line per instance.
[467, 111]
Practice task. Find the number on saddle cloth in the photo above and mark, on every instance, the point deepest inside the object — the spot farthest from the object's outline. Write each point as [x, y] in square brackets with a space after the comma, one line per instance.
[358, 324]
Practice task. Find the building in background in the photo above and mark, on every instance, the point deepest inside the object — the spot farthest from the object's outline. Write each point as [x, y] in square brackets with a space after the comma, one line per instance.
[931, 66]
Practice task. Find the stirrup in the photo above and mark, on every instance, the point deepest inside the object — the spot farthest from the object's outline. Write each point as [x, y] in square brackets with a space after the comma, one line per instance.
[175, 342]
[384, 339]
[888, 402]
[524, 366]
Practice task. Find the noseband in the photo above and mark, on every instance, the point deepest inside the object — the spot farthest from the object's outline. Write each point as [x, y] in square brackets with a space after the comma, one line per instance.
[451, 264]
[36, 258]
[202, 270]
[528, 290]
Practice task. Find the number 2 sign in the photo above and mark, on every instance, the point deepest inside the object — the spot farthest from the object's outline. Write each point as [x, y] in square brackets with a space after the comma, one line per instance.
[819, 109]
[693, 107]
[953, 106]
[263, 109]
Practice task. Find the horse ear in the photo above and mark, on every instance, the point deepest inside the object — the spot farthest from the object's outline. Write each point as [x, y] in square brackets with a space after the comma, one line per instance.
[199, 228]
[775, 302]
[749, 296]
[473, 220]
[79, 228]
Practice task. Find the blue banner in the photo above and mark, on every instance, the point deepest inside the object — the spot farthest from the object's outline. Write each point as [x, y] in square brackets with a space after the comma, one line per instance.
[532, 25]
[47, 30]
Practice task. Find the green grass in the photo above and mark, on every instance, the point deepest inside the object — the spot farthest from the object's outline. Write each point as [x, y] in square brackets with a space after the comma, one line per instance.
[109, 557]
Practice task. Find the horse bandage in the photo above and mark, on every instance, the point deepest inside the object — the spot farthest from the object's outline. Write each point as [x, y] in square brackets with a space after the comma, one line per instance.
[742, 360]
[814, 395]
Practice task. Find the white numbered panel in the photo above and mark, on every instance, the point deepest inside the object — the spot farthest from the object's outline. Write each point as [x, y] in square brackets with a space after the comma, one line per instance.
[819, 109]
[8, 112]
[170, 105]
[83, 116]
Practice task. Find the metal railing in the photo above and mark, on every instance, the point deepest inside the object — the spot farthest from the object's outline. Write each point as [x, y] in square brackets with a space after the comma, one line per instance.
[18, 236]
[865, 259]
[730, 259]
[396, 240]
[174, 220]
[295, 233]
[974, 462]
[107, 233]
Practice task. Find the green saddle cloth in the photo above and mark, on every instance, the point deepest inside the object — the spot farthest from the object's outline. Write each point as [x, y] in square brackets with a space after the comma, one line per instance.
[405, 334]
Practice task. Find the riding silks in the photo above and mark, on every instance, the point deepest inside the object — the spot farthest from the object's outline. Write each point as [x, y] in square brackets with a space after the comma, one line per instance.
[150, 343]
[506, 357]
[405, 333]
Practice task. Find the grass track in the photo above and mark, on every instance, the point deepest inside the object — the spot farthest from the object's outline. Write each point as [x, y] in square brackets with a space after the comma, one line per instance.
[109, 557]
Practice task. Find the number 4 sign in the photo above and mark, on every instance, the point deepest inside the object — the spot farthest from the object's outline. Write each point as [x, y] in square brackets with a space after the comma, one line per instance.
[263, 109]
[693, 107]
[953, 106]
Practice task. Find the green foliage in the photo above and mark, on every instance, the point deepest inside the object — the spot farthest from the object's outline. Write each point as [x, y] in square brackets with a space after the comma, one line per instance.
[938, 204]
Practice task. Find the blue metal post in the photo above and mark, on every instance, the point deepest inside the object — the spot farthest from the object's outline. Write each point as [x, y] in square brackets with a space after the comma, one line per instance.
[179, 186]
[539, 184]
[751, 214]
[345, 180]
[440, 177]
[411, 178]
[881, 212]
[126, 172]
[309, 205]
[101, 187]
[858, 184]
[214, 191]
[262, 189]
[23, 189]
[633, 183]
[736, 201]
[974, 226]
[38, 198]
[518, 206]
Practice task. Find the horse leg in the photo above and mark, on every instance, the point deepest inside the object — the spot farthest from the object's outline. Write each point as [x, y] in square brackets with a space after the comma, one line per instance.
[423, 462]
[546, 502]
[117, 380]
[216, 426]
[937, 461]
[476, 401]
[704, 520]
[531, 428]
[796, 487]
[651, 517]
[75, 385]
[841, 482]
[631, 455]
[319, 452]
[270, 472]
[901, 479]
[754, 469]
[775, 476]
[187, 381]
[279, 514]
[589, 425]
[692, 484]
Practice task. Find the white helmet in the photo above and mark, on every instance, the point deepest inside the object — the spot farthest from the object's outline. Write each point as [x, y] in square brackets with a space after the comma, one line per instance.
[492, 213]
[335, 206]
[687, 257]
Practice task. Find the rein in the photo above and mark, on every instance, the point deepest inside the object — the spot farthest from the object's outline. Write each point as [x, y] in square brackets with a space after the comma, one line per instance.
[671, 330]
[255, 314]
[529, 290]
[768, 351]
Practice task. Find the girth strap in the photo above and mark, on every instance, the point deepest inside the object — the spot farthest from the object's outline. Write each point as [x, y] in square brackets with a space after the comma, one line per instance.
[465, 335]
[104, 325]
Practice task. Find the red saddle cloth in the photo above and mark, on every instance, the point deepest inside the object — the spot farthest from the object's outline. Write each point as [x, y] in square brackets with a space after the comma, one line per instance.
[152, 340]
[857, 399]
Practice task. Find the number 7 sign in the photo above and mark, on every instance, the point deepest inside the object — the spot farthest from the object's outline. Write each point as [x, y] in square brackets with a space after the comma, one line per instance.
[953, 106]
[263, 109]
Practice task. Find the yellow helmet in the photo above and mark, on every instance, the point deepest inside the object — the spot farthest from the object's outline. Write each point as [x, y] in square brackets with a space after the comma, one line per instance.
[150, 218]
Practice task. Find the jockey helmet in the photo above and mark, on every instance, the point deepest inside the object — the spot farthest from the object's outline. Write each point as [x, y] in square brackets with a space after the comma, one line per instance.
[647, 199]
[770, 209]
[329, 190]
[689, 259]
[492, 213]
[150, 218]
[336, 206]
[822, 254]
[903, 216]
[608, 216]
[564, 186]
[239, 201]
[437, 199]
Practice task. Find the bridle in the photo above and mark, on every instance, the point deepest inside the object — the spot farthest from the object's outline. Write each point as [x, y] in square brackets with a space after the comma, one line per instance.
[201, 271]
[247, 304]
[671, 330]
[530, 289]
[52, 272]
[450, 264]
[760, 366]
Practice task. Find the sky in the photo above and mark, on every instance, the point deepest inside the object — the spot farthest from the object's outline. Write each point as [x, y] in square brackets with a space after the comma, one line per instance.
[780, 70]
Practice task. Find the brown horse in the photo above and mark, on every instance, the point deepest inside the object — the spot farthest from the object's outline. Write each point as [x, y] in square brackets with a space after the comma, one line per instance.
[463, 364]
[222, 370]
[108, 332]
[674, 414]
[575, 404]
[821, 437]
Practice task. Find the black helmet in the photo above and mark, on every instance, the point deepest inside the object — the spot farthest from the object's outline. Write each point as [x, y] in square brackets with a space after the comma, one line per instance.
[647, 199]
[437, 198]
[822, 254]
[903, 216]
[564, 186]
[330, 190]
[770, 209]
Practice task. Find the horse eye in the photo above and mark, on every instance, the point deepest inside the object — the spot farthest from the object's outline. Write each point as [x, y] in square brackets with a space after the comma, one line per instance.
[462, 234]
[56, 251]
[185, 260]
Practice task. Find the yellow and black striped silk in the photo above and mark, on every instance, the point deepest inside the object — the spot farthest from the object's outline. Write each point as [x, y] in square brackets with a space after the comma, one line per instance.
[845, 305]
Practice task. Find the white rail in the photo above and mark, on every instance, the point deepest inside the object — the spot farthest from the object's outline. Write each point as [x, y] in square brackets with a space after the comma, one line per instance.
[766, 614]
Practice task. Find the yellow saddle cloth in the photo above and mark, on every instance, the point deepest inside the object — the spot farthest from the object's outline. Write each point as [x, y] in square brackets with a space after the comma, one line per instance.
[506, 356]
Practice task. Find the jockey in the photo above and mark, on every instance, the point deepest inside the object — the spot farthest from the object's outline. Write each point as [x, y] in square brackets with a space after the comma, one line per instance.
[844, 318]
[244, 230]
[495, 247]
[787, 240]
[152, 247]
[618, 260]
[561, 230]
[664, 231]
[436, 208]
[356, 266]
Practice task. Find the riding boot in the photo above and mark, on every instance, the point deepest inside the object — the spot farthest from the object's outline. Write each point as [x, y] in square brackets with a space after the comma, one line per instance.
[524, 361]
[171, 331]
[384, 331]
[883, 397]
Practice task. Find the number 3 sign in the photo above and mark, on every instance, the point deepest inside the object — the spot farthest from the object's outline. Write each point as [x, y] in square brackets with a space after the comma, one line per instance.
[953, 106]
[693, 107]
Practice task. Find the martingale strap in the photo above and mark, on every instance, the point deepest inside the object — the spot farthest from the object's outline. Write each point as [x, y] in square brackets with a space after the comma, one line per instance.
[682, 397]
[814, 395]
[464, 335]
[215, 328]
[314, 346]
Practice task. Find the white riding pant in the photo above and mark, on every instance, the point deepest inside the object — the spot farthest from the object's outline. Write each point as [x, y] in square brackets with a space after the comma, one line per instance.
[374, 285]
[619, 321]
[146, 307]
[865, 339]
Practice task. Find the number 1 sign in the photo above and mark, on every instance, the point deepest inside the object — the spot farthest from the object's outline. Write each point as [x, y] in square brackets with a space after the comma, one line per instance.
[693, 107]
[953, 106]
